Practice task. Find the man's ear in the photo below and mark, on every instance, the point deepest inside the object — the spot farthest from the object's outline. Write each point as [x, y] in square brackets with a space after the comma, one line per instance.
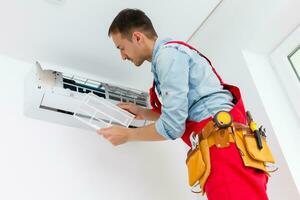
[137, 37]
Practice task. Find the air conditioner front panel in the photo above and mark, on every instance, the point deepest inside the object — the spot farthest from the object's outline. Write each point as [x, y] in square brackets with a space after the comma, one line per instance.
[59, 101]
[54, 96]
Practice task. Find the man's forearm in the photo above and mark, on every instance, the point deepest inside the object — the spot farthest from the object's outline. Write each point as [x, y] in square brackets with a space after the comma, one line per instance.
[146, 133]
[148, 114]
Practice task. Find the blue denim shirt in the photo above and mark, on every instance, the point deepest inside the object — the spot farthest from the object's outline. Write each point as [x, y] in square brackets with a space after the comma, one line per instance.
[187, 87]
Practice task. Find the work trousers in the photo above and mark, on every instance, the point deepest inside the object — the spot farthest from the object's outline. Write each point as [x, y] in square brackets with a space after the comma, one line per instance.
[231, 180]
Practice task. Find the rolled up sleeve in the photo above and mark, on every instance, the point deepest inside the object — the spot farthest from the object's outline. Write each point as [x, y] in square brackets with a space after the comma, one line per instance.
[172, 70]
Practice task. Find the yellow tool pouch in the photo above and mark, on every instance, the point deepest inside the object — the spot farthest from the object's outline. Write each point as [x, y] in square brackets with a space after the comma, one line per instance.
[250, 154]
[198, 164]
[195, 165]
[263, 155]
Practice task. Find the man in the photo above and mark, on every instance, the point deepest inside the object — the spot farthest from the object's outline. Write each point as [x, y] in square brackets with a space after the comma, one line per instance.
[191, 93]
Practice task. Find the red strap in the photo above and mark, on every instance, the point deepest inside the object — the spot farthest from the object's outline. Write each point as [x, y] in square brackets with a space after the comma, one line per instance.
[189, 46]
[154, 101]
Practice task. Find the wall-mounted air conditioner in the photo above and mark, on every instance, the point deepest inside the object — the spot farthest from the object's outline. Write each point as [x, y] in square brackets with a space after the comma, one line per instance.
[54, 96]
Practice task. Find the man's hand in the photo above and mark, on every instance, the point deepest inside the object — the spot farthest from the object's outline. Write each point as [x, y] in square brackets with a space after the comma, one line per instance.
[134, 109]
[139, 112]
[116, 135]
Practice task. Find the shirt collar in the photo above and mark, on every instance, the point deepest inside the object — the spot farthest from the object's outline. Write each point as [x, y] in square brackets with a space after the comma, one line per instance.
[158, 43]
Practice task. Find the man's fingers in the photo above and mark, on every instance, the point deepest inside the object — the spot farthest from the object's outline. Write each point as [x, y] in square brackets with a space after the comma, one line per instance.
[107, 136]
[124, 106]
[103, 130]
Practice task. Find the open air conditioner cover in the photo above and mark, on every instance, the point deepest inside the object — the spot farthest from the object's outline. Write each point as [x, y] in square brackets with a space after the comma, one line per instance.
[54, 96]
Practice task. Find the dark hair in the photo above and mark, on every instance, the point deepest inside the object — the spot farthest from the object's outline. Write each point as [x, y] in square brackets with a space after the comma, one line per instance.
[129, 20]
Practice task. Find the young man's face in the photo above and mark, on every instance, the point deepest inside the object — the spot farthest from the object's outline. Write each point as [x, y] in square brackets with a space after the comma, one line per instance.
[130, 50]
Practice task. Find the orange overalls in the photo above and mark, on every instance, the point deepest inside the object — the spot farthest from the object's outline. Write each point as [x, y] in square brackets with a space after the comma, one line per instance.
[229, 179]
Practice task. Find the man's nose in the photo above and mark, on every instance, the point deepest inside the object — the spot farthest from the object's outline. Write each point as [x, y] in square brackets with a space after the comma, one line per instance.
[124, 56]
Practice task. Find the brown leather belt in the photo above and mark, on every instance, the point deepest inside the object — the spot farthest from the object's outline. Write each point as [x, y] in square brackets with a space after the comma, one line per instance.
[221, 137]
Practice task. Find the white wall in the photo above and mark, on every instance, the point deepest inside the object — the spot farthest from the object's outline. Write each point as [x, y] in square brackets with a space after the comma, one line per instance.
[239, 38]
[41, 160]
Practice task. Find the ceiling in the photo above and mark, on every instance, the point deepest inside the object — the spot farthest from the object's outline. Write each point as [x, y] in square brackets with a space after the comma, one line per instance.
[73, 33]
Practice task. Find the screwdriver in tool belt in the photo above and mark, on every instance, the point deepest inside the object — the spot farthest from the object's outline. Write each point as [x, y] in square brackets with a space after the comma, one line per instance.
[254, 129]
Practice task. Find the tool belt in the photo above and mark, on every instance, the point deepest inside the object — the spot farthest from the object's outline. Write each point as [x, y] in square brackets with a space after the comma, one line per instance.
[221, 135]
